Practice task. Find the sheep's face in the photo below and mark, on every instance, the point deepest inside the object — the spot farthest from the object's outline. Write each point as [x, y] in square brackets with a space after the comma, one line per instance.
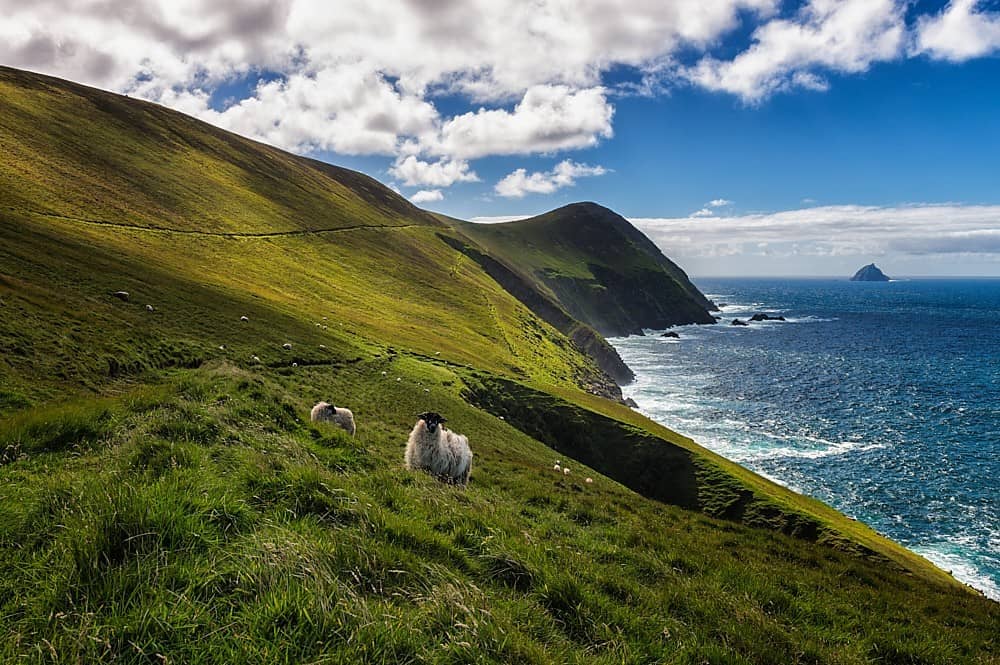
[432, 420]
[331, 409]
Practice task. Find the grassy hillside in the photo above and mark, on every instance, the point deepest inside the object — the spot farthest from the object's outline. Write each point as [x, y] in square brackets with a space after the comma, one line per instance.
[602, 269]
[166, 500]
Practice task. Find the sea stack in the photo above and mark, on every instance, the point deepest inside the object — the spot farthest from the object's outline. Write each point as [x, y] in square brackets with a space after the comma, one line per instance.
[870, 273]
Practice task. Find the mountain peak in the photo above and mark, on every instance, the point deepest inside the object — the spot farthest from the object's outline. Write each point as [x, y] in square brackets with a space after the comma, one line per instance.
[870, 273]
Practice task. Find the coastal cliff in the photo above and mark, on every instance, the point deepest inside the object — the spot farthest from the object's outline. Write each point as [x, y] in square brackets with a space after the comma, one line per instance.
[601, 269]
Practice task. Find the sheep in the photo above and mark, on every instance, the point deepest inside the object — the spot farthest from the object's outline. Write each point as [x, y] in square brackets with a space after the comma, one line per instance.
[295, 364]
[565, 470]
[329, 413]
[589, 481]
[556, 467]
[222, 347]
[255, 359]
[286, 346]
[150, 308]
[121, 295]
[244, 319]
[439, 451]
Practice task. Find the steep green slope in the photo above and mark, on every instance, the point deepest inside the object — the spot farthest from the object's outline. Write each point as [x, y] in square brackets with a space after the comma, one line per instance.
[599, 267]
[165, 498]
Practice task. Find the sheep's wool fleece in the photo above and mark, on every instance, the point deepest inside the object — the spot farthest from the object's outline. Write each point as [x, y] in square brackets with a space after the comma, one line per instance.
[323, 412]
[444, 453]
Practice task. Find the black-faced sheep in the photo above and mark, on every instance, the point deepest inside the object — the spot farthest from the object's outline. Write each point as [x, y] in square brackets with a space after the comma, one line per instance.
[439, 451]
[329, 413]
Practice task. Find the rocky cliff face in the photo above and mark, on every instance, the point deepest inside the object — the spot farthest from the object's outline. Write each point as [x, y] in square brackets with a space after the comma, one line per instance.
[870, 273]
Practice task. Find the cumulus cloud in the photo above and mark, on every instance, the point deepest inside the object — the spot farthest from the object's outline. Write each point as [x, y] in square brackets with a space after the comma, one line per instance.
[427, 195]
[442, 173]
[826, 231]
[519, 183]
[547, 119]
[825, 35]
[357, 77]
[719, 203]
[960, 32]
[704, 212]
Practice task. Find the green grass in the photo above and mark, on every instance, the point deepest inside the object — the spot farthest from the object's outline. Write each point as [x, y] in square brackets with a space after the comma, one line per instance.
[208, 521]
[165, 498]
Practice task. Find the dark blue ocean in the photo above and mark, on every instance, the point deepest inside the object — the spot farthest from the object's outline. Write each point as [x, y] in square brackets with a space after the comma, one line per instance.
[881, 399]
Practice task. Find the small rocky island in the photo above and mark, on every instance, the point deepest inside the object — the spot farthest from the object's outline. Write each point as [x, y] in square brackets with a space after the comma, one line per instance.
[870, 273]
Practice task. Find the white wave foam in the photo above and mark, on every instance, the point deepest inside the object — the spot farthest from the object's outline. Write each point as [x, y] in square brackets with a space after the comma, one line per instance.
[948, 555]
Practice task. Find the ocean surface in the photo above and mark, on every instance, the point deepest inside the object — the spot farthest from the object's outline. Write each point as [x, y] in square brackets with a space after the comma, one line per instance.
[881, 399]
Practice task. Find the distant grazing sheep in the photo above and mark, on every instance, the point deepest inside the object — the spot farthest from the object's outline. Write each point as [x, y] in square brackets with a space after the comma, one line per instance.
[295, 364]
[329, 413]
[286, 346]
[121, 295]
[439, 451]
[556, 467]
[589, 481]
[565, 470]
[149, 308]
[255, 359]
[244, 319]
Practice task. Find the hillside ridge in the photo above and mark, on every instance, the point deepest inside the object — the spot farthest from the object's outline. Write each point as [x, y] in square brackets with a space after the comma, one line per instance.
[599, 267]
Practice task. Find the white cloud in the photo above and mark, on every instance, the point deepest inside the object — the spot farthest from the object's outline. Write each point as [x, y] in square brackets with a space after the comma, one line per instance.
[825, 35]
[426, 196]
[358, 77]
[361, 77]
[704, 212]
[499, 219]
[519, 182]
[960, 32]
[849, 230]
[442, 173]
[547, 119]
[719, 203]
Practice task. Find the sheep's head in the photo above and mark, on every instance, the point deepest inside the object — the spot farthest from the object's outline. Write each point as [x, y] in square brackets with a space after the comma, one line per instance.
[432, 420]
[331, 409]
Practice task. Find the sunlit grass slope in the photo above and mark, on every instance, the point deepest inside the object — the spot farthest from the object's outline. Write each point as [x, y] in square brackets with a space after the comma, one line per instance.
[165, 499]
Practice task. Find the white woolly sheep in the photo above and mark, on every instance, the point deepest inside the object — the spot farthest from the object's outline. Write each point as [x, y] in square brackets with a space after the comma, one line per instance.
[222, 347]
[286, 346]
[121, 295]
[439, 451]
[589, 481]
[322, 346]
[329, 413]
[149, 308]
[255, 359]
[384, 372]
[244, 319]
[565, 470]
[295, 364]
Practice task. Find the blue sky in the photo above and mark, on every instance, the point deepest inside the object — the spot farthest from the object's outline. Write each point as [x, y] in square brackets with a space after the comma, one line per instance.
[744, 136]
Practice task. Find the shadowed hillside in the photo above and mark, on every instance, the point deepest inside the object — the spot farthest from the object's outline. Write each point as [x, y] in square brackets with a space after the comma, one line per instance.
[166, 498]
[602, 269]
